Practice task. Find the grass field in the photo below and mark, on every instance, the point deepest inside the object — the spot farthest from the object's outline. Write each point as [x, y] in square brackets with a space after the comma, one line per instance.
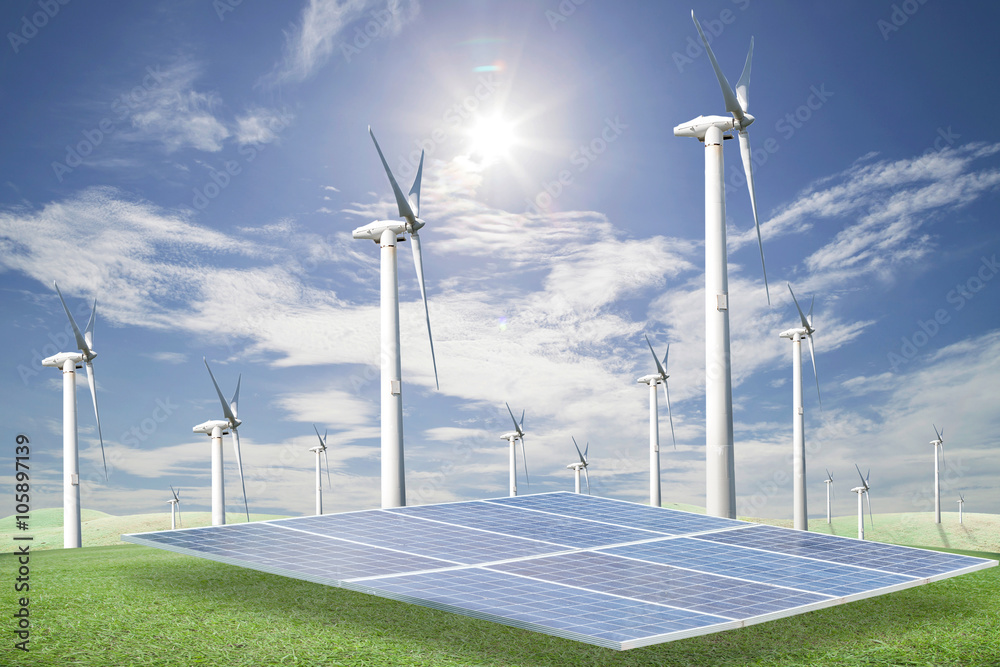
[131, 605]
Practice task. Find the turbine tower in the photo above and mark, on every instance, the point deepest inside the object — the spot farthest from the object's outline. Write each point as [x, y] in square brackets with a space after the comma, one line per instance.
[217, 428]
[320, 450]
[69, 362]
[387, 233]
[862, 491]
[512, 437]
[660, 377]
[720, 485]
[961, 504]
[175, 513]
[829, 491]
[938, 443]
[799, 510]
[580, 465]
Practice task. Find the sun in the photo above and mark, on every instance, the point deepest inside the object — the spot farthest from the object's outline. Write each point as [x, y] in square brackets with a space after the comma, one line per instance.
[491, 138]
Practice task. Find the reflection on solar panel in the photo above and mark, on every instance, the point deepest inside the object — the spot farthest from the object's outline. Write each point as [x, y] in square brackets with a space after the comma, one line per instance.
[602, 571]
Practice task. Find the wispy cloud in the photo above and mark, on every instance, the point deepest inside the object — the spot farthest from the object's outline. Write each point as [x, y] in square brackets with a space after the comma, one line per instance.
[259, 125]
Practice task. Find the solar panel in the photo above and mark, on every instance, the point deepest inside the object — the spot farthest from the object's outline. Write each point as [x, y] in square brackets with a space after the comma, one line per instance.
[596, 570]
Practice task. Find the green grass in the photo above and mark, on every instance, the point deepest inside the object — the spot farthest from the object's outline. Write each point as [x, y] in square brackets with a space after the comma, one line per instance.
[132, 605]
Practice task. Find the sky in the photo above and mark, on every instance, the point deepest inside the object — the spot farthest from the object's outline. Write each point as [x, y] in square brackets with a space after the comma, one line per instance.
[198, 167]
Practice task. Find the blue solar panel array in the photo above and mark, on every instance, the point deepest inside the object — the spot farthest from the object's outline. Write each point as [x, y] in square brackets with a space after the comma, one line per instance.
[607, 572]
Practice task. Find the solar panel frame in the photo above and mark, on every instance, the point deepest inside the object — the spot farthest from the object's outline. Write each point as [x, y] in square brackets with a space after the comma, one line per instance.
[580, 564]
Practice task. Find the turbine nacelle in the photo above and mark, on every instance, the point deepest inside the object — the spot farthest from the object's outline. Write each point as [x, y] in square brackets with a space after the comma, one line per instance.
[57, 360]
[374, 230]
[212, 424]
[511, 435]
[791, 333]
[650, 379]
[696, 128]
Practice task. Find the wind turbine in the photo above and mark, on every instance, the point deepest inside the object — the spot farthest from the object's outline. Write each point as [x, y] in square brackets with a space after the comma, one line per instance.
[175, 513]
[387, 233]
[580, 465]
[961, 504]
[69, 362]
[720, 486]
[320, 449]
[938, 443]
[660, 377]
[829, 491]
[799, 510]
[217, 428]
[512, 437]
[863, 491]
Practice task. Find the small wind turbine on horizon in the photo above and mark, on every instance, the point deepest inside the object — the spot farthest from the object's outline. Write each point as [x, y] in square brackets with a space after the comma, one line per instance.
[863, 491]
[216, 428]
[582, 464]
[320, 450]
[660, 377]
[175, 512]
[829, 492]
[799, 503]
[512, 437]
[938, 443]
[69, 363]
[720, 483]
[387, 233]
[961, 504]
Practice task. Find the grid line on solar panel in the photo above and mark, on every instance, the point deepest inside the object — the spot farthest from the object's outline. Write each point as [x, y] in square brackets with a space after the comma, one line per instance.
[887, 558]
[662, 584]
[797, 572]
[618, 512]
[555, 529]
[585, 613]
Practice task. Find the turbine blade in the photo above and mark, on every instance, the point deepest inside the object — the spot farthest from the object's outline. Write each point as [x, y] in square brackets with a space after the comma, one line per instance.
[92, 381]
[802, 317]
[175, 493]
[670, 416]
[868, 499]
[415, 188]
[234, 403]
[748, 169]
[520, 426]
[226, 408]
[809, 315]
[586, 449]
[239, 465]
[524, 460]
[863, 482]
[511, 415]
[401, 202]
[418, 263]
[732, 103]
[81, 342]
[812, 353]
[659, 367]
[587, 475]
[88, 333]
[326, 459]
[322, 442]
[743, 85]
[939, 437]
[578, 452]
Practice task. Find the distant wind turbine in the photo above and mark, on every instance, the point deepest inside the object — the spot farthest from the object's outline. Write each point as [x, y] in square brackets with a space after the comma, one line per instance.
[580, 465]
[175, 512]
[863, 491]
[217, 428]
[961, 504]
[829, 492]
[938, 443]
[799, 504]
[512, 437]
[68, 362]
[660, 377]
[387, 233]
[720, 486]
[320, 450]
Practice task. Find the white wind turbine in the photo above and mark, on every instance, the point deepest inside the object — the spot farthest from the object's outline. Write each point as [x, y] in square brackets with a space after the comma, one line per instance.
[68, 362]
[938, 443]
[829, 492]
[720, 486]
[320, 450]
[175, 512]
[863, 491]
[387, 233]
[799, 510]
[582, 464]
[512, 437]
[660, 377]
[217, 428]
[961, 504]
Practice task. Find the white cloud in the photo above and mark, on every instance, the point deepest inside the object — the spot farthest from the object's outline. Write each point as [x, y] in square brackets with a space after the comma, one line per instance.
[261, 126]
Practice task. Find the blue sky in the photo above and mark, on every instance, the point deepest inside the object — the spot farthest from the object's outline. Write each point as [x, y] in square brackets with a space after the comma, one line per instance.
[198, 168]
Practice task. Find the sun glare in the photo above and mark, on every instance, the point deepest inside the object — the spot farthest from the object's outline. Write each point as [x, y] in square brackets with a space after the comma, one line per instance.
[491, 138]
